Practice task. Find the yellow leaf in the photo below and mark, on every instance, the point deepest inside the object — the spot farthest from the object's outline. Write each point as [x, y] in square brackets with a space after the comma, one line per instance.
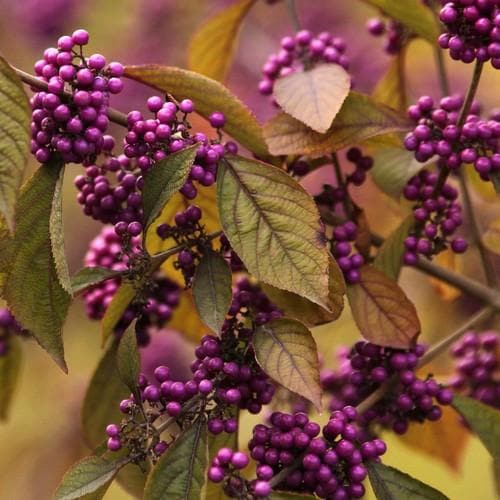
[444, 439]
[449, 260]
[213, 44]
[482, 188]
[185, 318]
[491, 238]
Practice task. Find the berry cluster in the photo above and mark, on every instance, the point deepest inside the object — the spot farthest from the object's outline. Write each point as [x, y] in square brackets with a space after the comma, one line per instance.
[397, 34]
[226, 467]
[473, 30]
[70, 119]
[8, 326]
[345, 234]
[301, 51]
[117, 203]
[438, 133]
[366, 367]
[331, 465]
[477, 366]
[437, 217]
[161, 297]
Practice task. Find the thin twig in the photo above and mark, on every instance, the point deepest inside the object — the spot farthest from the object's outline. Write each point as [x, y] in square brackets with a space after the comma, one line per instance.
[443, 79]
[292, 10]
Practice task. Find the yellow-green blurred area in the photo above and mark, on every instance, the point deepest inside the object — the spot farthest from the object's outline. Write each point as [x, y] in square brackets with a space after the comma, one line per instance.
[42, 437]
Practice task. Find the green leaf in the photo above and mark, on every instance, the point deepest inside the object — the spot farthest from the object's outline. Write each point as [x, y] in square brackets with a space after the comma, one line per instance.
[413, 14]
[88, 476]
[285, 495]
[10, 364]
[128, 361]
[213, 44]
[180, 472]
[483, 420]
[389, 258]
[209, 96]
[391, 88]
[57, 235]
[287, 352]
[315, 96]
[383, 313]
[273, 225]
[495, 180]
[165, 179]
[104, 393]
[296, 307]
[89, 276]
[118, 305]
[32, 289]
[389, 483]
[360, 118]
[133, 479]
[393, 168]
[14, 139]
[212, 289]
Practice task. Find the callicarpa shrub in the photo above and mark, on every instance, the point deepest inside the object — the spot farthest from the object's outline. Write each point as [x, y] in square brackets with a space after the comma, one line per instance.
[214, 224]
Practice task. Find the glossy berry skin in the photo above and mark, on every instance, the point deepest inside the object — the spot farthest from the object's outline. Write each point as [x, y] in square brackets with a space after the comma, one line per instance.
[297, 51]
[366, 367]
[476, 357]
[472, 30]
[72, 127]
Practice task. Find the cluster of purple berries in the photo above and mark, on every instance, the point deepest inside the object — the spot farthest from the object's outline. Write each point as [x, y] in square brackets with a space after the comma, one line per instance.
[331, 465]
[226, 467]
[437, 218]
[8, 326]
[366, 367]
[70, 119]
[162, 296]
[118, 203]
[397, 34]
[473, 30]
[301, 51]
[226, 369]
[348, 259]
[151, 140]
[438, 133]
[477, 366]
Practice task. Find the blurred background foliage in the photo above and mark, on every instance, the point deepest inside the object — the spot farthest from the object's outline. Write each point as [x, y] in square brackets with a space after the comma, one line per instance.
[42, 438]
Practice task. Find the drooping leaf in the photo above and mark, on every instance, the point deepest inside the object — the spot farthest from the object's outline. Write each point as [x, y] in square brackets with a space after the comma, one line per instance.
[391, 88]
[90, 276]
[389, 483]
[14, 139]
[382, 311]
[10, 364]
[206, 200]
[57, 235]
[88, 476]
[209, 96]
[495, 180]
[118, 305]
[389, 258]
[273, 225]
[133, 479]
[162, 181]
[483, 420]
[491, 237]
[393, 168]
[31, 288]
[413, 14]
[212, 289]
[127, 359]
[286, 495]
[496, 475]
[180, 472]
[104, 393]
[315, 96]
[444, 439]
[296, 307]
[287, 352]
[212, 45]
[360, 118]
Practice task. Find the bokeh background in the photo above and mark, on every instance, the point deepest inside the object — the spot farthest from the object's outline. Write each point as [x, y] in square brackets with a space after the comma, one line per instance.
[43, 437]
